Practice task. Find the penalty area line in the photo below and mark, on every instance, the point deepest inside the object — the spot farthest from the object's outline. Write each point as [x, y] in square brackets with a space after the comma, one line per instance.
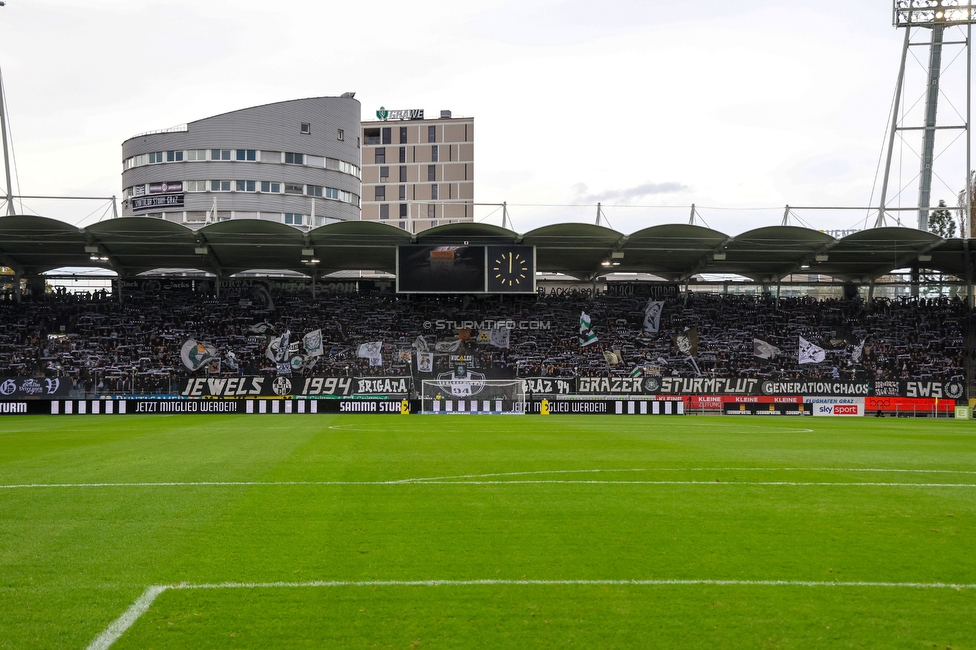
[119, 626]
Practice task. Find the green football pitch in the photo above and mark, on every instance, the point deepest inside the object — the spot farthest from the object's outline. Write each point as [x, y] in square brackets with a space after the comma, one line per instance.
[497, 532]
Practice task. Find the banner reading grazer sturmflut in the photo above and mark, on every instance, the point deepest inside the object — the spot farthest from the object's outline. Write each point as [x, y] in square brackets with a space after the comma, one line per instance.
[215, 387]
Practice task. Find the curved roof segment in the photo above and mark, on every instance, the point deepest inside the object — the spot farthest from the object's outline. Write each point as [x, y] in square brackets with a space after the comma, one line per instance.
[133, 245]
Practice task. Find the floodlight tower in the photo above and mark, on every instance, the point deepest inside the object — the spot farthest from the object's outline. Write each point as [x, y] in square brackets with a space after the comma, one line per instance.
[915, 16]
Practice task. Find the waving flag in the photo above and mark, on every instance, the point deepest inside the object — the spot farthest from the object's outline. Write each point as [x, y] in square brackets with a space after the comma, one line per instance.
[586, 335]
[810, 353]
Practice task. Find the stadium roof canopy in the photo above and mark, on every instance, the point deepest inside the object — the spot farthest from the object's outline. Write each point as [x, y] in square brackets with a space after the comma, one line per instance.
[131, 246]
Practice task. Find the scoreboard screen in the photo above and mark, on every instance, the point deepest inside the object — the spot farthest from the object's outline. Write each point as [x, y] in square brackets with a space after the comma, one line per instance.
[465, 269]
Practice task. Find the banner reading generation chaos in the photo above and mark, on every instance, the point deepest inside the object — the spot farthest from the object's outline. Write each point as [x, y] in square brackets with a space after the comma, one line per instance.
[227, 387]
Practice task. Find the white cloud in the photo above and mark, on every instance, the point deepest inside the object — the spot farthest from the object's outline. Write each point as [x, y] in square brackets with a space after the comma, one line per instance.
[724, 105]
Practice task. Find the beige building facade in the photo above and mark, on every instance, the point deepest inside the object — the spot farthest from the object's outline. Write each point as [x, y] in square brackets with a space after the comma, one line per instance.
[417, 173]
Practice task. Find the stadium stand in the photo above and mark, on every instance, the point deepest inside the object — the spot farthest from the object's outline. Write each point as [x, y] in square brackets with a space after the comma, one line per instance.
[106, 347]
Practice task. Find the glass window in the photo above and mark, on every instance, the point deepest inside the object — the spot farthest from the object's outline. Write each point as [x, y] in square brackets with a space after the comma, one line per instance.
[196, 186]
[403, 135]
[306, 128]
[155, 157]
[431, 173]
[313, 190]
[174, 156]
[384, 174]
[380, 155]
[433, 153]
[387, 135]
[268, 186]
[294, 158]
[247, 154]
[291, 188]
[220, 154]
[431, 133]
[341, 135]
[403, 174]
[403, 192]
[379, 193]
[433, 192]
[384, 211]
[220, 186]
[196, 154]
[403, 154]
[293, 219]
[431, 210]
[245, 186]
[403, 210]
[331, 193]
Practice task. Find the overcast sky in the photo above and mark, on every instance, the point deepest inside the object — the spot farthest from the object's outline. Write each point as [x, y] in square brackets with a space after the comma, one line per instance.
[630, 103]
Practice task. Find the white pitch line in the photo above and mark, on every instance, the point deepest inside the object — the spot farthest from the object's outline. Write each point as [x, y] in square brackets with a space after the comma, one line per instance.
[693, 469]
[118, 627]
[142, 604]
[483, 482]
[715, 482]
[503, 582]
[466, 479]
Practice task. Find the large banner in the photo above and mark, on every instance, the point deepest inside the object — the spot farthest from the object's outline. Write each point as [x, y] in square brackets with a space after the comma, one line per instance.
[153, 285]
[17, 388]
[224, 387]
[678, 387]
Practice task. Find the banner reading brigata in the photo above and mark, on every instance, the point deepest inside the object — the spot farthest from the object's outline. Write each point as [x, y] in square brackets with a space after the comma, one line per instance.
[213, 387]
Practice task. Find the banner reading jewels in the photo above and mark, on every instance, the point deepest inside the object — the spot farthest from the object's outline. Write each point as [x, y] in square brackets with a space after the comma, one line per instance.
[215, 387]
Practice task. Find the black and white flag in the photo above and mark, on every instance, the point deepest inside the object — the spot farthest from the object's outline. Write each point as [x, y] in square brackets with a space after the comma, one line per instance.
[764, 350]
[652, 316]
[810, 353]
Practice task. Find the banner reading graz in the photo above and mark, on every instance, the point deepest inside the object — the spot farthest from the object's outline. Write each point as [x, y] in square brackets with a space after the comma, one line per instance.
[298, 386]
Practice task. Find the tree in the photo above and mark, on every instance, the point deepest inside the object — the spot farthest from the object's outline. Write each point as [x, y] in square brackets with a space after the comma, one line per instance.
[961, 205]
[941, 222]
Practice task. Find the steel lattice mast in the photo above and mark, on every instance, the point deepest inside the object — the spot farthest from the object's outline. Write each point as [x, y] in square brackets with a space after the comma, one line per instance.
[935, 16]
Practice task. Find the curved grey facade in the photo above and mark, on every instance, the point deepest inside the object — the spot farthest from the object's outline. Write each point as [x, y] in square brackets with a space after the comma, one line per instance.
[296, 162]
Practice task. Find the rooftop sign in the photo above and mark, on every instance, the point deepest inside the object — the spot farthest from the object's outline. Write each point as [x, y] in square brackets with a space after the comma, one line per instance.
[409, 114]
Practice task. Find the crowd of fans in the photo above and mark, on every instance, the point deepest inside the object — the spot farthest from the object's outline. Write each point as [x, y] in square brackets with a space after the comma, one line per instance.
[133, 346]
